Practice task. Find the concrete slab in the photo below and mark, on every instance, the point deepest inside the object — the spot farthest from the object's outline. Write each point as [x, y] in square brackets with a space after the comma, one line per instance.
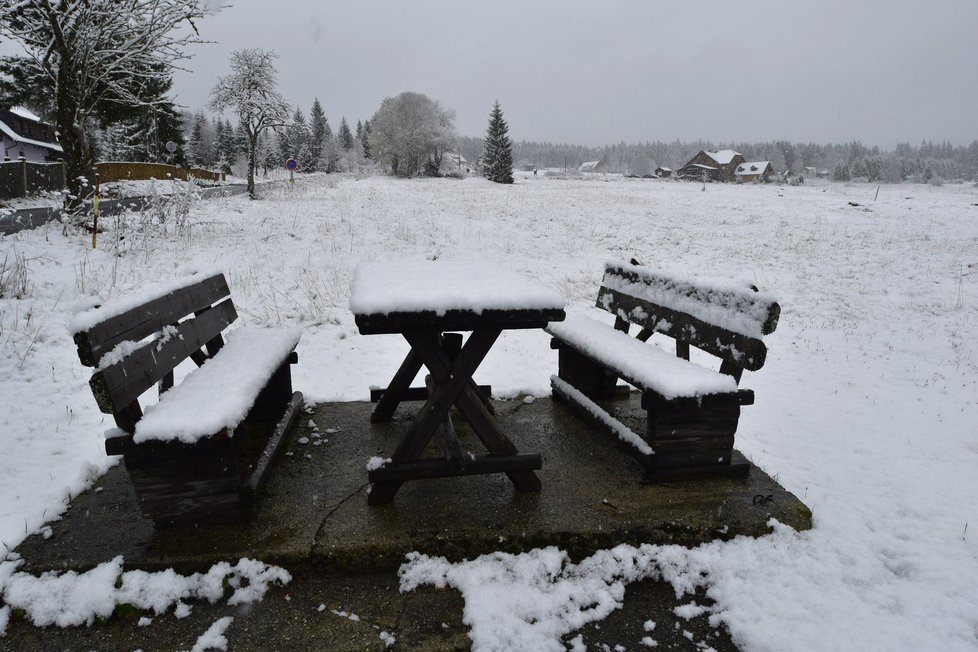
[314, 507]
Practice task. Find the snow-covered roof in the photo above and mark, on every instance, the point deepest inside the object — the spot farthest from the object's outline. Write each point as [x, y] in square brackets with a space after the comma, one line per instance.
[13, 135]
[589, 166]
[700, 166]
[662, 167]
[456, 158]
[724, 156]
[753, 167]
[24, 113]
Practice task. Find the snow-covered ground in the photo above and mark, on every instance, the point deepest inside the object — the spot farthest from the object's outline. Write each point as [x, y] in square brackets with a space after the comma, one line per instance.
[867, 407]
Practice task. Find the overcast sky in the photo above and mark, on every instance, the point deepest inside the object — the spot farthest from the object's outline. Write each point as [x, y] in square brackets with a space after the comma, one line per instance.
[602, 71]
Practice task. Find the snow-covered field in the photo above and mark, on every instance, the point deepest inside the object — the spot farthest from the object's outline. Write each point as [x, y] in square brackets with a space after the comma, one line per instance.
[867, 407]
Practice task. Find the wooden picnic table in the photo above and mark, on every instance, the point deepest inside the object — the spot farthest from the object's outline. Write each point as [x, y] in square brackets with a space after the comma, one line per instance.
[429, 303]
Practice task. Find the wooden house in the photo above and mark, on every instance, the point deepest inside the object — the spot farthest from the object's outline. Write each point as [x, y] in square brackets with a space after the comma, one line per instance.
[23, 134]
[663, 172]
[725, 163]
[754, 171]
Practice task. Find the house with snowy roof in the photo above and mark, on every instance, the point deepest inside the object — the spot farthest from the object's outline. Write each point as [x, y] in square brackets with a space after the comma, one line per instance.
[712, 166]
[590, 166]
[754, 171]
[23, 134]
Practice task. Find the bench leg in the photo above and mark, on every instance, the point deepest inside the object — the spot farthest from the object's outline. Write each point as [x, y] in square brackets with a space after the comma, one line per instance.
[585, 375]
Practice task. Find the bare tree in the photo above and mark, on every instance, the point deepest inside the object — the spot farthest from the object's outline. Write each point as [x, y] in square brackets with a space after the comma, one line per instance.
[98, 51]
[410, 131]
[250, 92]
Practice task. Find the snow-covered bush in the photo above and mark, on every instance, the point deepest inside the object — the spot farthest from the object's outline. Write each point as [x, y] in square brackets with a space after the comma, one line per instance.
[936, 181]
[14, 280]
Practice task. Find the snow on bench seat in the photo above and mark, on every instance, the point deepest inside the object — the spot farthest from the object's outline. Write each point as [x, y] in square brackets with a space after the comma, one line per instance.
[644, 365]
[219, 394]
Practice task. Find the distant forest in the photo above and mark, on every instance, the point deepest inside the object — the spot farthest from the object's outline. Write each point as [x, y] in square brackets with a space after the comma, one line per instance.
[928, 162]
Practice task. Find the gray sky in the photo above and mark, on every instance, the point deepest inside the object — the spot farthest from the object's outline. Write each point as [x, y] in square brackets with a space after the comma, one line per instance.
[602, 71]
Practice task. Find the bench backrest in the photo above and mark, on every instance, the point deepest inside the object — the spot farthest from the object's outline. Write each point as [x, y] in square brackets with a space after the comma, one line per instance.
[725, 320]
[187, 323]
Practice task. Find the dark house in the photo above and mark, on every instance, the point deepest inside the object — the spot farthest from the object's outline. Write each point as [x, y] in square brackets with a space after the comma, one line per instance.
[663, 172]
[754, 171]
[712, 166]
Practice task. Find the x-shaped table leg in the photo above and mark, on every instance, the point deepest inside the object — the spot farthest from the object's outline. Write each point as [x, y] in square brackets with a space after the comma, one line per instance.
[453, 386]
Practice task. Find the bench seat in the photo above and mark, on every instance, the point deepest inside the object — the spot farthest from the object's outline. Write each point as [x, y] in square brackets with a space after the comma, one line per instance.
[649, 368]
[219, 395]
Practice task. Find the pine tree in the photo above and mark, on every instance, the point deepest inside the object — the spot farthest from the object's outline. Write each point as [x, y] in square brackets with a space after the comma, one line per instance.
[497, 157]
[318, 128]
[365, 139]
[345, 135]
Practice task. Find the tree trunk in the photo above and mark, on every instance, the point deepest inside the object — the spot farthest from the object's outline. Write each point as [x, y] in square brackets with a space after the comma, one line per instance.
[77, 153]
[252, 158]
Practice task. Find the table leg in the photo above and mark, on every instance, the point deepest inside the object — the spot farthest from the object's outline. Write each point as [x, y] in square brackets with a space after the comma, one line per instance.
[450, 384]
[470, 403]
[385, 407]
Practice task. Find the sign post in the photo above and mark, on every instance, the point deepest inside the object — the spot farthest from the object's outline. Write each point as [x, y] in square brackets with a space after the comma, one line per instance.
[95, 199]
[291, 165]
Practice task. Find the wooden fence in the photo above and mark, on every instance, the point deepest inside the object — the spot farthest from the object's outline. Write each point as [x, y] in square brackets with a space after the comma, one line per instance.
[108, 172]
[22, 178]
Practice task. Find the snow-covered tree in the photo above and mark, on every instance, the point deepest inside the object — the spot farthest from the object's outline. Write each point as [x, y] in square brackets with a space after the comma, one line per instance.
[294, 142]
[93, 51]
[497, 153]
[250, 92]
[365, 139]
[345, 135]
[410, 131]
[318, 129]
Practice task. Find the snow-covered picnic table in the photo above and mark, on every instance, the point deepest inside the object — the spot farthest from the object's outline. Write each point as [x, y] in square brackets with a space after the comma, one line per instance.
[428, 302]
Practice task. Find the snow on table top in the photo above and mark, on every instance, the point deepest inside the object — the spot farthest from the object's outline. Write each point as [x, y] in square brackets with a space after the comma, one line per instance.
[641, 362]
[86, 319]
[441, 286]
[728, 305]
[220, 393]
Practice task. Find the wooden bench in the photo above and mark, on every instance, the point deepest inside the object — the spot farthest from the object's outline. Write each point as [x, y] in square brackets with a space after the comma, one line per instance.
[202, 452]
[690, 411]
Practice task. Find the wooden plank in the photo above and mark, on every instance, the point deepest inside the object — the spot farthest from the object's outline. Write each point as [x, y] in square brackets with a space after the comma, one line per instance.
[455, 320]
[421, 393]
[738, 467]
[121, 383]
[585, 374]
[440, 468]
[652, 400]
[447, 439]
[731, 302]
[251, 488]
[750, 352]
[397, 389]
[142, 321]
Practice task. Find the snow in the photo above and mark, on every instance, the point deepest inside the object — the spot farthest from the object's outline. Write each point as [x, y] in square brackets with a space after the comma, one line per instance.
[732, 306]
[25, 113]
[441, 286]
[640, 362]
[84, 320]
[220, 394]
[72, 599]
[752, 167]
[624, 432]
[723, 156]
[865, 406]
[213, 638]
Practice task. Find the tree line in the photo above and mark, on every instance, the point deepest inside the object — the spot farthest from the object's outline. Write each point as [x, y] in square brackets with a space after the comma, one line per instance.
[843, 161]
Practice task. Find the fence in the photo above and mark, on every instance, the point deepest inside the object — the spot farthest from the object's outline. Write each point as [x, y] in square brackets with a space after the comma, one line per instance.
[21, 178]
[123, 171]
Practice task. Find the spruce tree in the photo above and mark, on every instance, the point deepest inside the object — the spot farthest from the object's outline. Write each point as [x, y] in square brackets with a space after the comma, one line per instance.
[318, 130]
[497, 157]
[365, 139]
[345, 135]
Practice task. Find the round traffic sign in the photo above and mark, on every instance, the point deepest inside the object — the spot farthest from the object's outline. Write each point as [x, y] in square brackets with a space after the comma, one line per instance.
[291, 164]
